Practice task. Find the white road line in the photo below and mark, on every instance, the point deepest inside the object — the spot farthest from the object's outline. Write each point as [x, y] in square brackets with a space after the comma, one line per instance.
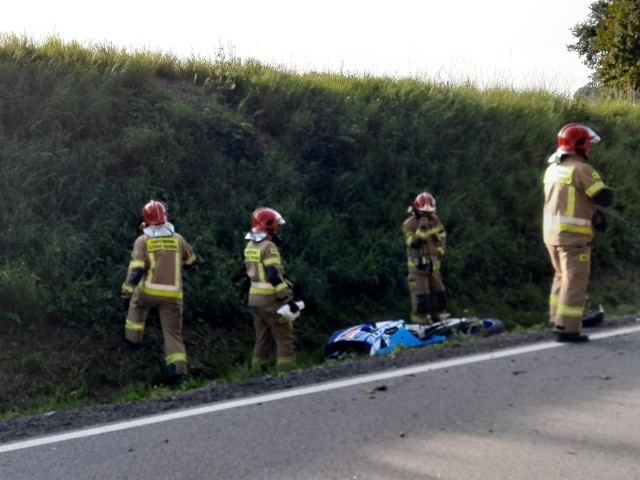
[296, 392]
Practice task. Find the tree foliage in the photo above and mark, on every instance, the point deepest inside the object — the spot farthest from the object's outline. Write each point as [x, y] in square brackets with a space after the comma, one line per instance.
[609, 41]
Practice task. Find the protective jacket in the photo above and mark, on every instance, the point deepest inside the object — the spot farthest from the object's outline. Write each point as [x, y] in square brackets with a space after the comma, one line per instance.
[265, 269]
[425, 240]
[154, 280]
[572, 190]
[569, 207]
[268, 292]
[156, 263]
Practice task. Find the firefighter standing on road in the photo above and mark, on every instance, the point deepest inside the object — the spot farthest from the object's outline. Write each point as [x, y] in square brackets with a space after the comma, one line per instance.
[573, 191]
[154, 280]
[269, 292]
[425, 237]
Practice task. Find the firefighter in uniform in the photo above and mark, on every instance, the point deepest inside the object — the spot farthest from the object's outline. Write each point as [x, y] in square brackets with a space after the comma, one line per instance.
[425, 237]
[573, 192]
[154, 280]
[269, 292]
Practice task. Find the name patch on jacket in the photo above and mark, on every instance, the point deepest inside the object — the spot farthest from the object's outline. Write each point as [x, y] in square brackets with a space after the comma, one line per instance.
[163, 243]
[252, 255]
[559, 175]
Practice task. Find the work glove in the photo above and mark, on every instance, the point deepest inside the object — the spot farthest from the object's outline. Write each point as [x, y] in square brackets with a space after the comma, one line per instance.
[291, 310]
[600, 221]
[293, 306]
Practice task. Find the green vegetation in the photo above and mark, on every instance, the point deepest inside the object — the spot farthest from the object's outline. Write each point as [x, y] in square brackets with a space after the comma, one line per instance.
[89, 134]
[609, 42]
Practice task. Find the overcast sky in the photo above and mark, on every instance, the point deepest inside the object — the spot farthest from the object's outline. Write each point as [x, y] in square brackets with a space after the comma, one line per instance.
[490, 42]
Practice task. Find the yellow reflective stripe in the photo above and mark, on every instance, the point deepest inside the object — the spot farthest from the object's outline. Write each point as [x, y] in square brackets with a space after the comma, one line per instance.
[440, 250]
[422, 234]
[261, 274]
[152, 266]
[176, 272]
[571, 202]
[409, 238]
[568, 311]
[191, 260]
[134, 326]
[272, 261]
[136, 264]
[565, 227]
[281, 287]
[161, 293]
[175, 358]
[553, 300]
[552, 220]
[595, 188]
[262, 291]
[127, 287]
[262, 288]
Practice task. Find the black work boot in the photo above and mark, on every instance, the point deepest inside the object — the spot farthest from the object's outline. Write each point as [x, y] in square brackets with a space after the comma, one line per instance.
[565, 337]
[172, 377]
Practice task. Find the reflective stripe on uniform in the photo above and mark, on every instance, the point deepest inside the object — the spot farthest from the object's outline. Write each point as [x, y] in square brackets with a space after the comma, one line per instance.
[136, 264]
[563, 223]
[262, 288]
[568, 311]
[424, 234]
[409, 238]
[595, 188]
[134, 326]
[175, 358]
[160, 290]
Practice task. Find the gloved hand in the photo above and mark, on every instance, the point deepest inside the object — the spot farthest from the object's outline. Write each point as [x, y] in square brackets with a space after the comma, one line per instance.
[291, 310]
[125, 303]
[600, 221]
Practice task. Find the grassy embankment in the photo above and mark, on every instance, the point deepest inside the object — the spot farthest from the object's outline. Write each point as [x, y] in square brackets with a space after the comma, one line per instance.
[89, 134]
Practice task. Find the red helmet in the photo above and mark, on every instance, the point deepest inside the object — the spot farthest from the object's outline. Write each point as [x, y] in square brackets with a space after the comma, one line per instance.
[425, 203]
[576, 138]
[266, 220]
[154, 213]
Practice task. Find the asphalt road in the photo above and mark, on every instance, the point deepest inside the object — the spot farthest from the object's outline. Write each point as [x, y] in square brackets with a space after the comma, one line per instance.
[543, 411]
